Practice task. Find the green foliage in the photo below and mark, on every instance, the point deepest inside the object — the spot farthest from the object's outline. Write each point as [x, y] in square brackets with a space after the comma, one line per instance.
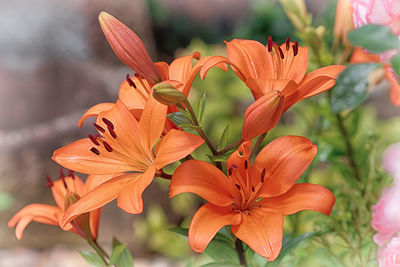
[223, 141]
[351, 87]
[396, 64]
[121, 256]
[375, 38]
[92, 258]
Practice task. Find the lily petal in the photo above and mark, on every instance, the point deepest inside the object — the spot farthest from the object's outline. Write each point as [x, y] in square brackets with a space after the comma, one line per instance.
[130, 198]
[261, 229]
[174, 146]
[236, 159]
[152, 123]
[263, 115]
[394, 87]
[214, 61]
[261, 87]
[284, 161]
[163, 68]
[250, 59]
[98, 197]
[78, 157]
[181, 68]
[34, 212]
[316, 82]
[95, 111]
[94, 219]
[204, 180]
[94, 180]
[59, 191]
[302, 197]
[207, 221]
[294, 67]
[134, 98]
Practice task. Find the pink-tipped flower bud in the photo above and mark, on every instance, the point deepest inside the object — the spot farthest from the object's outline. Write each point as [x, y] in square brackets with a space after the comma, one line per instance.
[128, 47]
[167, 94]
[263, 115]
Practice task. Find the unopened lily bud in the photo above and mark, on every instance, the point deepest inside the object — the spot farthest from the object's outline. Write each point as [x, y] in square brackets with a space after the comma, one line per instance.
[167, 94]
[81, 223]
[297, 13]
[263, 115]
[128, 47]
[343, 21]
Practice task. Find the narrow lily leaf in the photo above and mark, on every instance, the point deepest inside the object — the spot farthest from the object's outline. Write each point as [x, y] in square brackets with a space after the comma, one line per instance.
[125, 258]
[92, 258]
[224, 137]
[351, 86]
[201, 104]
[288, 244]
[178, 118]
[396, 64]
[219, 249]
[116, 253]
[375, 38]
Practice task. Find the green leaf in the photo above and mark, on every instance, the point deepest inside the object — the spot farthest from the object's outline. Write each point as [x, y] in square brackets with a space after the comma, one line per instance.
[125, 258]
[116, 252]
[178, 118]
[351, 86]
[375, 38]
[223, 141]
[219, 249]
[201, 105]
[288, 244]
[92, 258]
[396, 64]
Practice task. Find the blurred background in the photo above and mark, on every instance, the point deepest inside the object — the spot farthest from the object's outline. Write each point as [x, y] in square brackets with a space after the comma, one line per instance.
[55, 63]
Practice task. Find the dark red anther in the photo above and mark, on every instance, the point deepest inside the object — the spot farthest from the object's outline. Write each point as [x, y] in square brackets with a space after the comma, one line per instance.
[229, 171]
[108, 123]
[130, 82]
[65, 183]
[269, 43]
[262, 175]
[295, 48]
[252, 188]
[287, 44]
[71, 174]
[281, 53]
[237, 186]
[95, 151]
[113, 134]
[99, 128]
[94, 140]
[107, 146]
[61, 173]
[245, 164]
[49, 182]
[136, 75]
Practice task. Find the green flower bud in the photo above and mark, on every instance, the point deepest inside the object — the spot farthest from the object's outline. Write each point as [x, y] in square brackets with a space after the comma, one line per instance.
[167, 94]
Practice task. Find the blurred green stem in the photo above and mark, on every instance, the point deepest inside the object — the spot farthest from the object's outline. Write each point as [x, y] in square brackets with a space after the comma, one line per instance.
[257, 145]
[200, 131]
[240, 252]
[226, 149]
[99, 250]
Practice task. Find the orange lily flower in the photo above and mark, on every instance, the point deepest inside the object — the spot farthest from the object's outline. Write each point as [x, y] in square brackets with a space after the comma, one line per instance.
[359, 56]
[64, 190]
[124, 145]
[275, 68]
[282, 68]
[253, 199]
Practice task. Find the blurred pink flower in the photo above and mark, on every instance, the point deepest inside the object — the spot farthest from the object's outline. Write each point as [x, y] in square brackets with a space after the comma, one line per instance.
[389, 255]
[386, 216]
[391, 162]
[382, 12]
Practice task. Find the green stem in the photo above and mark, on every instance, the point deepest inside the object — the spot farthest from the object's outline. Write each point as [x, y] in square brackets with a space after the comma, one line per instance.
[199, 129]
[226, 149]
[349, 147]
[257, 145]
[99, 250]
[240, 252]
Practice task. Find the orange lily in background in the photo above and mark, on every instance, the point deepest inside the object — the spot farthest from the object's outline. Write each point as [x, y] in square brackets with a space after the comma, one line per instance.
[124, 145]
[359, 56]
[64, 190]
[253, 199]
[274, 68]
